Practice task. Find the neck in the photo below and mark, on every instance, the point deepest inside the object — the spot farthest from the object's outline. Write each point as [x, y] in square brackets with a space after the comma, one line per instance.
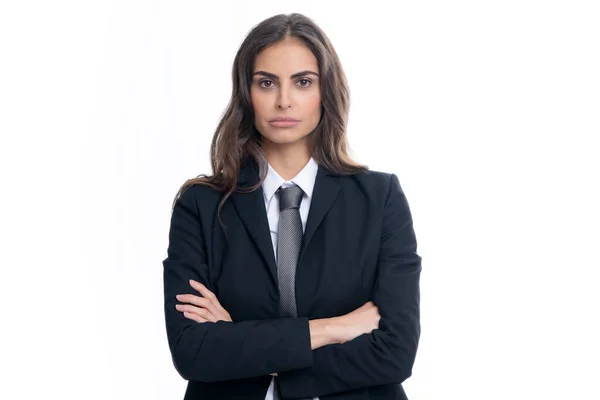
[288, 161]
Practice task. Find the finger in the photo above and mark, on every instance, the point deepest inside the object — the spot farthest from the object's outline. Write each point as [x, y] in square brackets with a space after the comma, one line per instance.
[193, 299]
[194, 317]
[215, 306]
[202, 312]
[201, 302]
[202, 289]
[215, 309]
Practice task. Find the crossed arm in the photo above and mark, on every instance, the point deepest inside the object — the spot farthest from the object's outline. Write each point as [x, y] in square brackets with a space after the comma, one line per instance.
[311, 357]
[325, 331]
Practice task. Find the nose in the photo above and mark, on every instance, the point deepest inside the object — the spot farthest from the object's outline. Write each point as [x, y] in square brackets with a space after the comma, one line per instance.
[283, 100]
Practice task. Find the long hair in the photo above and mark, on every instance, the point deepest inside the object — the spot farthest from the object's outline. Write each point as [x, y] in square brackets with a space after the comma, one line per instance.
[236, 138]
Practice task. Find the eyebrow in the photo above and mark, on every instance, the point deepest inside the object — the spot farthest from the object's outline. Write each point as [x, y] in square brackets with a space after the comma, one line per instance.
[296, 75]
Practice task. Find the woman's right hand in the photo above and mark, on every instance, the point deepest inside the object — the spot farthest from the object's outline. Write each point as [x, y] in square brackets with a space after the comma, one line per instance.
[360, 321]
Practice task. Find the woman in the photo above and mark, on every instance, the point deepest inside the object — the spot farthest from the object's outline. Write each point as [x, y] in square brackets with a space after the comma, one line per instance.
[292, 271]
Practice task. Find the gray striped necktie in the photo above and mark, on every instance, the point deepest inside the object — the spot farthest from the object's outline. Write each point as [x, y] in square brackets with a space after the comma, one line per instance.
[289, 240]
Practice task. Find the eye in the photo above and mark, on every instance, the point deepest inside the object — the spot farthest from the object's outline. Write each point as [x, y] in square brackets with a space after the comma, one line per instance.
[305, 80]
[263, 81]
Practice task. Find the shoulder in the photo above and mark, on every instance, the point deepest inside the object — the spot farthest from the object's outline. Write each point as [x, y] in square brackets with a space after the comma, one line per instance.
[369, 188]
[198, 195]
[371, 180]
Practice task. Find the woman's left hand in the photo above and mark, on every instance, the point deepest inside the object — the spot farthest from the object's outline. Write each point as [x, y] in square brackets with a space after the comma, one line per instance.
[202, 309]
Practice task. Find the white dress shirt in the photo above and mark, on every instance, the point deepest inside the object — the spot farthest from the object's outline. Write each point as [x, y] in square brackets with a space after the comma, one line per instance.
[306, 180]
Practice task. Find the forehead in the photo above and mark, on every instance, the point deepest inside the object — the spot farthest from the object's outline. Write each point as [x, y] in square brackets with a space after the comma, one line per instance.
[289, 55]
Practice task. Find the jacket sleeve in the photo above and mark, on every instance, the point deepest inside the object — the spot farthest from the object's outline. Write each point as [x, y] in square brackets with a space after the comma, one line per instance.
[387, 354]
[222, 350]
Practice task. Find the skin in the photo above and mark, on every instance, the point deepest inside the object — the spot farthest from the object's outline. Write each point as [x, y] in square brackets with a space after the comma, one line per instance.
[292, 93]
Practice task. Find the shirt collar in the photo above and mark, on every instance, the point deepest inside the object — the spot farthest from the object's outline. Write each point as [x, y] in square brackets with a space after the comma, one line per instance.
[305, 179]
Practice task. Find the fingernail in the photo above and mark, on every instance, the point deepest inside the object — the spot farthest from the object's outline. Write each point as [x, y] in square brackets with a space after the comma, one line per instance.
[179, 297]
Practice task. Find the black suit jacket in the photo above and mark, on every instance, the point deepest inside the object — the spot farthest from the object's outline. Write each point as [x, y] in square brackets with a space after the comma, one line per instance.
[359, 245]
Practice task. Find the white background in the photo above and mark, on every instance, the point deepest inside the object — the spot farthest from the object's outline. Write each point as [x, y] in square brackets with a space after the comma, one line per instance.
[488, 112]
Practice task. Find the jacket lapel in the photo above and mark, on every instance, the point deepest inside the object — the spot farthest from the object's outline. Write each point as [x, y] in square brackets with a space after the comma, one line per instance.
[324, 193]
[251, 209]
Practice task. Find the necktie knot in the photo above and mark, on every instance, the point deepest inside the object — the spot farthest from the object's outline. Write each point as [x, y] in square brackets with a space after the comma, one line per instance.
[289, 197]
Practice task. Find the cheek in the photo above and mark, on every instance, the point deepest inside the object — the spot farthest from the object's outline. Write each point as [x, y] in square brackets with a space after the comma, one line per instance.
[258, 102]
[314, 106]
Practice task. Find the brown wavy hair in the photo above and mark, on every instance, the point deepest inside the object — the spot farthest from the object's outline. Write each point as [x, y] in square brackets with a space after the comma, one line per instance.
[236, 138]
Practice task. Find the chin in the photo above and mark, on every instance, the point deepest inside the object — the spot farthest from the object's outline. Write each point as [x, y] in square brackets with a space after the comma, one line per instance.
[284, 136]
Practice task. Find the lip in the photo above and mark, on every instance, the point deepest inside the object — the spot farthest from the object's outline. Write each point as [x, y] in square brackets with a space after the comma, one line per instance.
[287, 119]
[284, 122]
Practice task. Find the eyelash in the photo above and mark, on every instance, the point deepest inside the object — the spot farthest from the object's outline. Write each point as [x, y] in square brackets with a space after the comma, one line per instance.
[301, 79]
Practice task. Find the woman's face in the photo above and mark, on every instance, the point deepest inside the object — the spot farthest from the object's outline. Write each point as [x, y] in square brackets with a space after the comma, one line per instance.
[285, 83]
